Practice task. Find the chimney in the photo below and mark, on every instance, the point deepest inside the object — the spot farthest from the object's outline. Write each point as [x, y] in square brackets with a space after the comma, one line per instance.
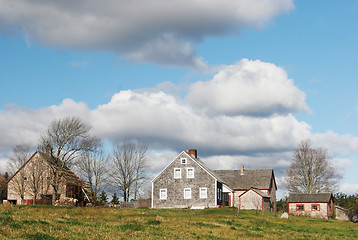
[242, 170]
[48, 150]
[192, 152]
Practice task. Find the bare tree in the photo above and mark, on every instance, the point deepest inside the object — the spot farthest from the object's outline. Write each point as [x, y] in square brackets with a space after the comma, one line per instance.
[128, 163]
[20, 155]
[68, 137]
[140, 165]
[92, 166]
[310, 171]
[36, 170]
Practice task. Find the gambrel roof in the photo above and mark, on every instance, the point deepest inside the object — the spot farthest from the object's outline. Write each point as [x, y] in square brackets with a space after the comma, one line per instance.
[258, 178]
[309, 197]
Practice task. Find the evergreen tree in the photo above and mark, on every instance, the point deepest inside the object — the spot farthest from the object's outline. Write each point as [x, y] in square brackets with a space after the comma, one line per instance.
[115, 199]
[103, 196]
[3, 186]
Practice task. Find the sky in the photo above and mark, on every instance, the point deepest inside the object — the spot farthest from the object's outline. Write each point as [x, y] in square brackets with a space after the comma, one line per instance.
[241, 81]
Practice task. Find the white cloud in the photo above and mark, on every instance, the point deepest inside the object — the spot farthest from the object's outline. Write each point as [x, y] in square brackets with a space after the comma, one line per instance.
[162, 121]
[349, 188]
[163, 32]
[79, 64]
[169, 123]
[335, 143]
[19, 125]
[249, 88]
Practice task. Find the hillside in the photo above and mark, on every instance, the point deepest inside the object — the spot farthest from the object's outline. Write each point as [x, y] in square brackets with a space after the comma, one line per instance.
[47, 222]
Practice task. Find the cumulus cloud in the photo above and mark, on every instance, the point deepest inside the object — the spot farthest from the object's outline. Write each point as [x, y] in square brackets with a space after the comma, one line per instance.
[163, 32]
[162, 121]
[19, 125]
[349, 188]
[169, 122]
[336, 144]
[249, 88]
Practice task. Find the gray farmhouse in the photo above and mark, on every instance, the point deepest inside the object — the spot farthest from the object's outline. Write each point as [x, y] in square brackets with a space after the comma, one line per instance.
[188, 183]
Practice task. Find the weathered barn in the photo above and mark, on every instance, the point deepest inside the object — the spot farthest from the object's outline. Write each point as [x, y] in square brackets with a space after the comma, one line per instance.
[33, 182]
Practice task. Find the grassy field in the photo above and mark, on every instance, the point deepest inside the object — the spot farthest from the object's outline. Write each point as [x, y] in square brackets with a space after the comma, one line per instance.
[47, 222]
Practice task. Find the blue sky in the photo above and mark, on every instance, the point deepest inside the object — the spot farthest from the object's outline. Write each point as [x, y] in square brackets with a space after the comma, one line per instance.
[140, 76]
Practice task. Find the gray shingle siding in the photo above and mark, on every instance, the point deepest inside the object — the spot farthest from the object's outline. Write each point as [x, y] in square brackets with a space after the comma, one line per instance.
[175, 187]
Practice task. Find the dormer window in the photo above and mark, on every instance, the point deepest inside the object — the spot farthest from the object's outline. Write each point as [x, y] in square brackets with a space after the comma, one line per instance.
[183, 161]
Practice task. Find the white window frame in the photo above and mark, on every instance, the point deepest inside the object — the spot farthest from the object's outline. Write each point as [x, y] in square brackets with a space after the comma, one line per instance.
[175, 175]
[165, 194]
[183, 162]
[187, 173]
[205, 195]
[189, 195]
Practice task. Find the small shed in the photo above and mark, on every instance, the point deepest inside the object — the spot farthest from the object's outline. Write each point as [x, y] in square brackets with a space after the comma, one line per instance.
[341, 213]
[315, 205]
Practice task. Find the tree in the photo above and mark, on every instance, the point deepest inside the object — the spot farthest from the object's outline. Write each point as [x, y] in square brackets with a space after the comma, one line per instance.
[20, 155]
[353, 208]
[310, 171]
[36, 170]
[68, 138]
[3, 186]
[349, 202]
[115, 199]
[128, 163]
[92, 166]
[103, 196]
[282, 205]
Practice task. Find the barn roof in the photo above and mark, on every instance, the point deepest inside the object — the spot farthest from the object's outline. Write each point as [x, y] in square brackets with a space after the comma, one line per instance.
[68, 174]
[257, 178]
[309, 197]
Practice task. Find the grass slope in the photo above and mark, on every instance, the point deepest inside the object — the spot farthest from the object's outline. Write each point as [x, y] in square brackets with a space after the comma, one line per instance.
[47, 222]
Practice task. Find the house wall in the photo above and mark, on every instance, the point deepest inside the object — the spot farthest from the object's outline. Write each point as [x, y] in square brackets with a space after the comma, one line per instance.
[341, 213]
[175, 187]
[237, 198]
[35, 165]
[250, 200]
[268, 206]
[308, 212]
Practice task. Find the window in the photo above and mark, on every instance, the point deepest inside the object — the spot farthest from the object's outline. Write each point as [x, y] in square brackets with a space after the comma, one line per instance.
[190, 172]
[203, 192]
[177, 172]
[163, 194]
[187, 193]
[300, 207]
[315, 207]
[183, 161]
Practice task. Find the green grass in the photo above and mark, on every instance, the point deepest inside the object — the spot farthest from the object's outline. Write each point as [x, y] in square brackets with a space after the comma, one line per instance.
[47, 222]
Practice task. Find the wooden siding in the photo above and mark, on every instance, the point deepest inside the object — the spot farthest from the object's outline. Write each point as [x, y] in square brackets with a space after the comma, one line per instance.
[175, 186]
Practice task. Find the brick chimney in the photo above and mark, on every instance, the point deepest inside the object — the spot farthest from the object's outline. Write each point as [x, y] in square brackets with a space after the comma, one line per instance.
[192, 152]
[242, 170]
[48, 150]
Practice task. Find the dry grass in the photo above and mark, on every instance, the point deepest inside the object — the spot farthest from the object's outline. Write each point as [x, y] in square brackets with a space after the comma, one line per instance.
[47, 222]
